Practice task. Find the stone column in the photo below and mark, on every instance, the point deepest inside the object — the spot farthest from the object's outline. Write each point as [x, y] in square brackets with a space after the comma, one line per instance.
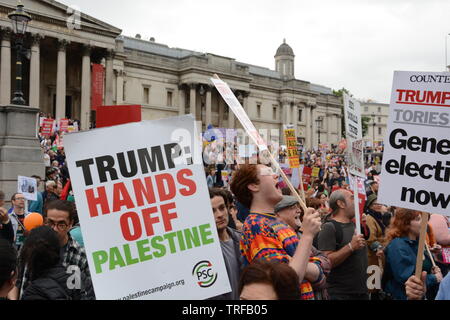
[339, 126]
[314, 126]
[208, 118]
[221, 108]
[181, 100]
[329, 125]
[109, 83]
[308, 125]
[245, 103]
[35, 71]
[231, 117]
[192, 96]
[119, 86]
[5, 67]
[86, 88]
[61, 80]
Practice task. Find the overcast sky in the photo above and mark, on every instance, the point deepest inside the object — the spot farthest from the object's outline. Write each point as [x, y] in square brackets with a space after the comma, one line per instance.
[356, 44]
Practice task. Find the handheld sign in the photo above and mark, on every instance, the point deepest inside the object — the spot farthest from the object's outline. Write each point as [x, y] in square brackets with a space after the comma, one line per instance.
[145, 212]
[293, 156]
[240, 113]
[416, 171]
[28, 187]
[353, 129]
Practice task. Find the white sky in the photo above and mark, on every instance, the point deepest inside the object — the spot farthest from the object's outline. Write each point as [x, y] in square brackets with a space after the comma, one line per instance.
[356, 44]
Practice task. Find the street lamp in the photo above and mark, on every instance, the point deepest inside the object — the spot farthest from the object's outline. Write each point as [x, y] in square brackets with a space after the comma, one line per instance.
[19, 20]
[319, 123]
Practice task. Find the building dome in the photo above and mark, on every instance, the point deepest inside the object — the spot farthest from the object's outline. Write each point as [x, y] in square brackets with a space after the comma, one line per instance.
[284, 50]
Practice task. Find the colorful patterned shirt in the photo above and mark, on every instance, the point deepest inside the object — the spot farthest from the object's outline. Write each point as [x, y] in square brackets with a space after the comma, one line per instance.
[264, 237]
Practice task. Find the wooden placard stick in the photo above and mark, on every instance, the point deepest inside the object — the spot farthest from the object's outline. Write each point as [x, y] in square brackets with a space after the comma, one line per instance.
[429, 253]
[422, 238]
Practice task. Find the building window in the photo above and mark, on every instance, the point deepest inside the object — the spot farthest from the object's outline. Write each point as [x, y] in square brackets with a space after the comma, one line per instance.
[124, 91]
[258, 111]
[379, 109]
[300, 111]
[169, 98]
[146, 95]
[379, 119]
[274, 112]
[366, 109]
[379, 131]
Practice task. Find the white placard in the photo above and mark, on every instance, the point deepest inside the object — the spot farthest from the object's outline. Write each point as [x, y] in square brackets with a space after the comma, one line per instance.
[353, 129]
[28, 187]
[240, 113]
[416, 168]
[145, 212]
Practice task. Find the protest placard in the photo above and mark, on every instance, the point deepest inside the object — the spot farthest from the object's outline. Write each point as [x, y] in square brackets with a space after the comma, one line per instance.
[28, 187]
[353, 130]
[416, 170]
[144, 210]
[243, 118]
[63, 125]
[291, 146]
[315, 172]
[47, 127]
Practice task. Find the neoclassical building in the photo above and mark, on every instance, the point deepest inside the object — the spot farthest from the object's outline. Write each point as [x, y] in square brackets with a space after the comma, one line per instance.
[165, 81]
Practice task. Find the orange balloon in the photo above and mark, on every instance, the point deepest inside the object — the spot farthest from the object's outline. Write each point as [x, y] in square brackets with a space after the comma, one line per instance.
[33, 220]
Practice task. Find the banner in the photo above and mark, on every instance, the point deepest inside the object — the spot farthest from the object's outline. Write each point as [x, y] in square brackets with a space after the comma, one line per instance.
[97, 84]
[145, 212]
[353, 129]
[47, 127]
[291, 145]
[416, 167]
[28, 187]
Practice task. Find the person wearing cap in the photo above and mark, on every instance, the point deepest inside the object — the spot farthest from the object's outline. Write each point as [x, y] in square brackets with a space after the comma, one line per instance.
[288, 211]
[373, 188]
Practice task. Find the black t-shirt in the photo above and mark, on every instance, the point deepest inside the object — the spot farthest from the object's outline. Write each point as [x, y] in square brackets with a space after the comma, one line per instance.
[350, 276]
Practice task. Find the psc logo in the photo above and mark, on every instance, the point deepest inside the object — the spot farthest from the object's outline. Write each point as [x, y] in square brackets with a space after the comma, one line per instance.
[204, 274]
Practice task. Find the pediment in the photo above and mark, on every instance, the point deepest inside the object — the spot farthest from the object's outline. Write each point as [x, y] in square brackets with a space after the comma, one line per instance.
[60, 13]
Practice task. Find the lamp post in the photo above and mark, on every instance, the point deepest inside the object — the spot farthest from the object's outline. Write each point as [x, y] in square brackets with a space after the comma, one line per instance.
[19, 20]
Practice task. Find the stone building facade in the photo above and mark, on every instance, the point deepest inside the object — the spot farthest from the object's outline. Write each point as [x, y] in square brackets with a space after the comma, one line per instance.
[165, 81]
[378, 113]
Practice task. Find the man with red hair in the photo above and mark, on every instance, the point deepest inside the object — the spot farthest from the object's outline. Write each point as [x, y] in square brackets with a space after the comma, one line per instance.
[264, 237]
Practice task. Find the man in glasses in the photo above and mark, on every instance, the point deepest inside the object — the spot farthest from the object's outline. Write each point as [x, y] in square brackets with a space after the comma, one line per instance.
[17, 214]
[59, 215]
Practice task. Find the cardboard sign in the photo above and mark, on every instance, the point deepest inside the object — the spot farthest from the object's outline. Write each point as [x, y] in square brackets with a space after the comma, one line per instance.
[416, 171]
[145, 212]
[291, 145]
[28, 187]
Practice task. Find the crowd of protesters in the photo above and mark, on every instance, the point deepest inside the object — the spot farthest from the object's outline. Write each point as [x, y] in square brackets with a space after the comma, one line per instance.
[272, 247]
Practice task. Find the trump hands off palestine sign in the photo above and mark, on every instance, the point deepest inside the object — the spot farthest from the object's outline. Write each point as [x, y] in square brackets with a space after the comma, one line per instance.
[416, 161]
[145, 212]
